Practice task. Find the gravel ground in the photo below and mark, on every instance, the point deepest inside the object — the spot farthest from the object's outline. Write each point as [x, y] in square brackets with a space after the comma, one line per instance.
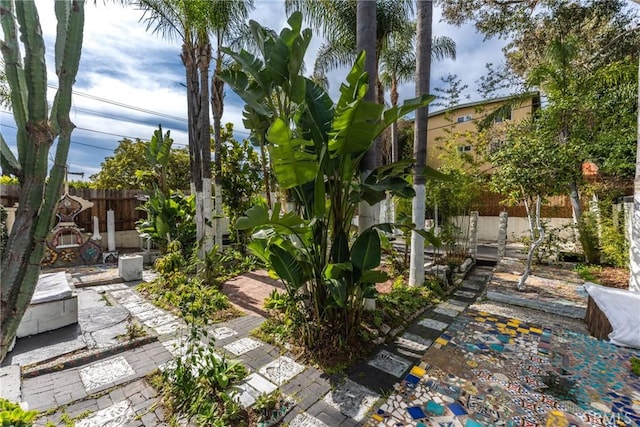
[533, 316]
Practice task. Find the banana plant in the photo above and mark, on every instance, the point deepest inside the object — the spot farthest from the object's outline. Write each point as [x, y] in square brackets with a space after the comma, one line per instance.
[315, 148]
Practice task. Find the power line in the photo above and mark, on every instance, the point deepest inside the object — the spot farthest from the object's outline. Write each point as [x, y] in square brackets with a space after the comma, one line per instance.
[96, 131]
[123, 105]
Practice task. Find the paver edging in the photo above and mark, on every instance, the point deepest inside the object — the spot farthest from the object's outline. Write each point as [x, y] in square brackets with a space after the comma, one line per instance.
[87, 357]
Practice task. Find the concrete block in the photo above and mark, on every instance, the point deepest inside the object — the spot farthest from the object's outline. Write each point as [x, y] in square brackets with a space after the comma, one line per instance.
[48, 316]
[130, 267]
[10, 383]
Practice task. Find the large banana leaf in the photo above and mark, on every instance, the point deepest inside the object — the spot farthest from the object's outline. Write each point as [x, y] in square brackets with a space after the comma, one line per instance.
[258, 216]
[286, 266]
[315, 120]
[292, 164]
[365, 252]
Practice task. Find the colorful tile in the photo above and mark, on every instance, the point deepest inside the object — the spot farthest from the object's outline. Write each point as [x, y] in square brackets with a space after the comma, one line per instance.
[433, 324]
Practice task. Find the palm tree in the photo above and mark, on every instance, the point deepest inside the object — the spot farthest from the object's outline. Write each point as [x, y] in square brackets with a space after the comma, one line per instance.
[365, 41]
[336, 20]
[189, 21]
[398, 65]
[227, 23]
[423, 74]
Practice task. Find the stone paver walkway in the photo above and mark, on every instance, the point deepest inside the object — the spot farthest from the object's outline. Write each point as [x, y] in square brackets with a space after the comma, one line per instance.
[380, 391]
[113, 390]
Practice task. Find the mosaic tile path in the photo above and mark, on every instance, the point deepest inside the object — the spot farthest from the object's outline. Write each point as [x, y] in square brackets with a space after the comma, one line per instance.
[489, 370]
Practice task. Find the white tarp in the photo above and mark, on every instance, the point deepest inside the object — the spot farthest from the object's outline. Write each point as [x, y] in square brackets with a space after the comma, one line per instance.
[622, 308]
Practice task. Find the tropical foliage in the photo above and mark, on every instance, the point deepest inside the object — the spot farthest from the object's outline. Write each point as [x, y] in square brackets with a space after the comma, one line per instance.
[124, 170]
[316, 147]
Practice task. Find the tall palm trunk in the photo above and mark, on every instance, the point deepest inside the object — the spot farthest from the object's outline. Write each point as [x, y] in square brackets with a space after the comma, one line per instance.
[423, 74]
[366, 40]
[189, 59]
[634, 249]
[217, 108]
[205, 148]
[394, 126]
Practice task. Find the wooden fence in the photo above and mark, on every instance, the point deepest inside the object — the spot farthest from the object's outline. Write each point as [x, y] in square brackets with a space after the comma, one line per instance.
[122, 202]
[490, 204]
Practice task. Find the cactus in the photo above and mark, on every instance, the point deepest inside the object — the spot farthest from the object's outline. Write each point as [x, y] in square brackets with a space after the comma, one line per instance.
[38, 128]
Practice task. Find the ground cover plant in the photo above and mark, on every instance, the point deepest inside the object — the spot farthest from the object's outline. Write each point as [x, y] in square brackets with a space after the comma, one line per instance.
[316, 147]
[195, 285]
[12, 414]
[198, 386]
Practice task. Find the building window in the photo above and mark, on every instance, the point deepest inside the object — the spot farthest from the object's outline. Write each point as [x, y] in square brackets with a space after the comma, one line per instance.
[505, 115]
[463, 119]
[464, 148]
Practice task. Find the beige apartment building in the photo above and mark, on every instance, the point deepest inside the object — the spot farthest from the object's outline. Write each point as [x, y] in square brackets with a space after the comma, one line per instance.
[458, 126]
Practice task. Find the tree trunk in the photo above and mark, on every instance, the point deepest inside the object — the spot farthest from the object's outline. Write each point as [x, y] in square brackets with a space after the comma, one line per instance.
[20, 267]
[534, 242]
[424, 14]
[217, 108]
[394, 126]
[366, 40]
[189, 59]
[204, 61]
[634, 247]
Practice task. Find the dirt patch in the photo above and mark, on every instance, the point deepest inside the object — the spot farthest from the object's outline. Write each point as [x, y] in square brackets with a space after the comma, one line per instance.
[613, 277]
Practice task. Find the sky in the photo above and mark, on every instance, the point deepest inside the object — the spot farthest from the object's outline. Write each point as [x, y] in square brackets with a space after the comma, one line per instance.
[131, 80]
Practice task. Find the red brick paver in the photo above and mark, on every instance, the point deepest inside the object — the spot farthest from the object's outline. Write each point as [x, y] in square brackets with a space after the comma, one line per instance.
[249, 290]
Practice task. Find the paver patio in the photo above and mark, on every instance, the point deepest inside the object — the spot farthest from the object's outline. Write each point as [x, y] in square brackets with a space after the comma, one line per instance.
[454, 365]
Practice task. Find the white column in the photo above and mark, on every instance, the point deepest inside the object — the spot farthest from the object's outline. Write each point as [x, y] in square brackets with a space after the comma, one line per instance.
[473, 234]
[502, 235]
[416, 263]
[96, 229]
[111, 231]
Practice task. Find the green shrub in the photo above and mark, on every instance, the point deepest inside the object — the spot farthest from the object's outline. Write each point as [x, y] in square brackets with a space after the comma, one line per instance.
[614, 245]
[180, 292]
[12, 415]
[635, 365]
[198, 384]
[586, 272]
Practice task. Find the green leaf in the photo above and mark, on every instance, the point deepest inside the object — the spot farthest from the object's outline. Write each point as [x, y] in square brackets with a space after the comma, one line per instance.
[286, 266]
[338, 290]
[292, 164]
[394, 113]
[373, 276]
[340, 247]
[436, 175]
[365, 252]
[255, 216]
[337, 270]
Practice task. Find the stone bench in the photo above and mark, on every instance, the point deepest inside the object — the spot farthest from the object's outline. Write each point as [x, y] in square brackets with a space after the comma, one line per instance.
[53, 306]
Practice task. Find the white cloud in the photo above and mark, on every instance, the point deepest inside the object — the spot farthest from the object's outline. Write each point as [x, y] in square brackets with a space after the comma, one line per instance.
[124, 63]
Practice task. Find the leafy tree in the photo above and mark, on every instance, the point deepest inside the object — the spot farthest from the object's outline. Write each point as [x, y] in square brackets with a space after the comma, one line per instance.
[528, 168]
[39, 127]
[316, 147]
[579, 65]
[124, 170]
[241, 175]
